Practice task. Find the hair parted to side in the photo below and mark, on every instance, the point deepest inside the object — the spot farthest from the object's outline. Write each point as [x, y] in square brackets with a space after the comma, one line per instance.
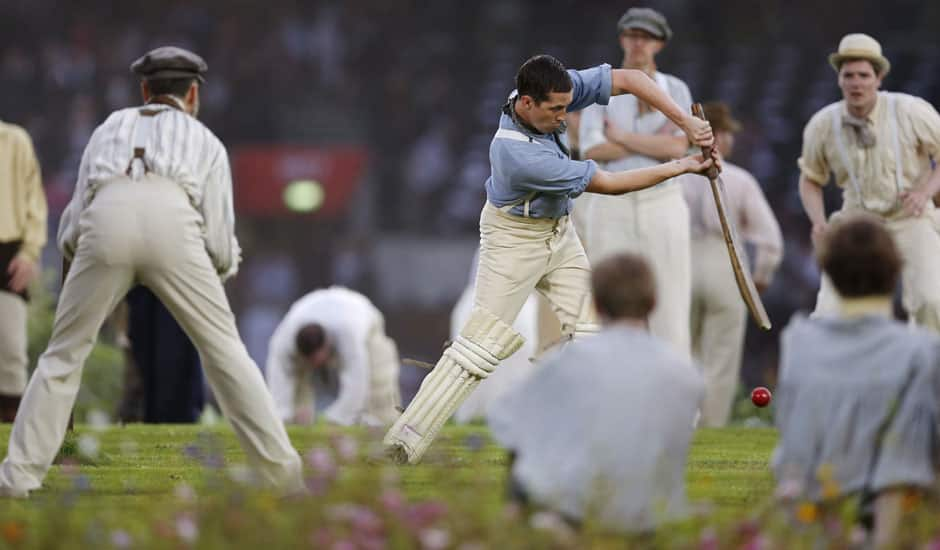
[310, 338]
[170, 86]
[624, 287]
[540, 76]
[860, 257]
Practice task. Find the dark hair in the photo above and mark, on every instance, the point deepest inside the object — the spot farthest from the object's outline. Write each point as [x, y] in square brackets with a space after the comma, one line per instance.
[170, 86]
[860, 257]
[540, 76]
[624, 287]
[874, 67]
[310, 338]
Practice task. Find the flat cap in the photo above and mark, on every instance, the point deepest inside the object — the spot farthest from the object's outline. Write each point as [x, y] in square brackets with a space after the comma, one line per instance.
[646, 19]
[170, 62]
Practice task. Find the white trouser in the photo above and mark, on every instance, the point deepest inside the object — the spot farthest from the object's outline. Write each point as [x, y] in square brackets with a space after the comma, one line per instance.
[384, 395]
[718, 324]
[145, 231]
[13, 357]
[655, 224]
[918, 242]
[519, 255]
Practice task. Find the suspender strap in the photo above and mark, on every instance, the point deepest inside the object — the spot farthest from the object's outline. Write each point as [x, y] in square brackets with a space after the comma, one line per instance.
[844, 154]
[138, 166]
[507, 133]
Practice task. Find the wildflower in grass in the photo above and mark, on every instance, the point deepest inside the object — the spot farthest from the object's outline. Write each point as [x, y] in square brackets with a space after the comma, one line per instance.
[185, 493]
[829, 489]
[392, 501]
[859, 536]
[13, 532]
[322, 537]
[708, 539]
[424, 514]
[89, 446]
[910, 501]
[344, 545]
[931, 545]
[98, 420]
[757, 542]
[552, 523]
[321, 461]
[186, 528]
[121, 539]
[346, 447]
[434, 539]
[806, 512]
[360, 518]
[474, 442]
[81, 483]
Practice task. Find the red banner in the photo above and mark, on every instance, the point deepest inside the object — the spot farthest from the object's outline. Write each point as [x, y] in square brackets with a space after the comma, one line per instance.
[324, 178]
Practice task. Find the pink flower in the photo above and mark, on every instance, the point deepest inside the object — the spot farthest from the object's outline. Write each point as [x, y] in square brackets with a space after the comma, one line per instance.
[758, 542]
[186, 528]
[346, 447]
[392, 500]
[708, 539]
[344, 545]
[321, 460]
[322, 538]
[360, 518]
[434, 539]
[424, 514]
[121, 539]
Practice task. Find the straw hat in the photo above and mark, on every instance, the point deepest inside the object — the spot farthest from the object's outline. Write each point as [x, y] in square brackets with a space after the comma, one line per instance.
[860, 46]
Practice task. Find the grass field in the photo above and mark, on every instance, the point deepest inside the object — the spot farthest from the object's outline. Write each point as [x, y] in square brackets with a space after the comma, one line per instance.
[170, 486]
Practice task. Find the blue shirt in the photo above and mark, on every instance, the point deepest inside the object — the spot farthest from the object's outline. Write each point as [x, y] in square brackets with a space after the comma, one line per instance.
[539, 165]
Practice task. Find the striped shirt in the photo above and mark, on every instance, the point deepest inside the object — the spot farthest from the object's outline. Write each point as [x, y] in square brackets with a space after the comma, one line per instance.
[179, 148]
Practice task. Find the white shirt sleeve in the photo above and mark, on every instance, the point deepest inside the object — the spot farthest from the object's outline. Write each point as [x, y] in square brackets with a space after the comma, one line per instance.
[354, 375]
[591, 129]
[219, 217]
[281, 376]
[760, 227]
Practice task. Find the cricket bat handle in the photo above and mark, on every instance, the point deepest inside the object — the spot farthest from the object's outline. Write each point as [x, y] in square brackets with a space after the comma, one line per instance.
[699, 112]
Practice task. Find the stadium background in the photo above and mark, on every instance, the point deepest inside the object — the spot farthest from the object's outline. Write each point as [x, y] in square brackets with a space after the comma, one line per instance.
[390, 107]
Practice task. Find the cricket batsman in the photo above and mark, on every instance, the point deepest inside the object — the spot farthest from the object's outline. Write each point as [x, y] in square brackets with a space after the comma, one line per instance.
[527, 241]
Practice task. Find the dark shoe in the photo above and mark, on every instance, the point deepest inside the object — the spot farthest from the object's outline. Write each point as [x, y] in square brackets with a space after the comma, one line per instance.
[8, 406]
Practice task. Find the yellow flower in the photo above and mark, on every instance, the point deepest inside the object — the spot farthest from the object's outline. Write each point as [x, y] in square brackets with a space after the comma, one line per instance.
[825, 472]
[12, 532]
[830, 489]
[807, 512]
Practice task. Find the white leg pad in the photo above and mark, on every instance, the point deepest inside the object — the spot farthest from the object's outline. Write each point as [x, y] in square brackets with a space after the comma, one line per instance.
[484, 341]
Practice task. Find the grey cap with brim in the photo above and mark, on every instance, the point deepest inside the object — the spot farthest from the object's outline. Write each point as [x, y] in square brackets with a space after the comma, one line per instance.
[170, 62]
[646, 19]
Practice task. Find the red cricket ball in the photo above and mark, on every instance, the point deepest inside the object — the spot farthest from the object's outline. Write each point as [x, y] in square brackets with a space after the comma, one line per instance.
[760, 396]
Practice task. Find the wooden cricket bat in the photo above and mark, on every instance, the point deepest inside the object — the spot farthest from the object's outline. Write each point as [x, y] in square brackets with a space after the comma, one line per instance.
[742, 275]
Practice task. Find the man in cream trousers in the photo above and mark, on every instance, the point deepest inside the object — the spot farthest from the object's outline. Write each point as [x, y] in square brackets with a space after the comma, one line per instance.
[526, 240]
[332, 344]
[879, 147]
[719, 315]
[22, 236]
[653, 222]
[153, 204]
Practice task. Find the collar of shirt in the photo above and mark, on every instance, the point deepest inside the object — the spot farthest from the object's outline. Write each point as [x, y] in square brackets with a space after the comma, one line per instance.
[866, 306]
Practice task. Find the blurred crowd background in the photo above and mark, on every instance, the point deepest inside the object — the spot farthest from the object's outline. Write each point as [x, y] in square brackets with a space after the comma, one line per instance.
[391, 105]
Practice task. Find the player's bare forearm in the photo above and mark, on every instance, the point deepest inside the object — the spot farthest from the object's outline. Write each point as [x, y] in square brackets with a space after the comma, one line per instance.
[811, 196]
[618, 183]
[606, 152]
[658, 146]
[638, 83]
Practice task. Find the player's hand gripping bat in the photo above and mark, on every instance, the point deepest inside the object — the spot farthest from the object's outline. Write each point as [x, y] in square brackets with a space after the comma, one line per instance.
[742, 274]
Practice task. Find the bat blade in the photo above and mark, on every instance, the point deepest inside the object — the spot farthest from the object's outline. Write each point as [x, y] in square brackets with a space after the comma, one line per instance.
[742, 275]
